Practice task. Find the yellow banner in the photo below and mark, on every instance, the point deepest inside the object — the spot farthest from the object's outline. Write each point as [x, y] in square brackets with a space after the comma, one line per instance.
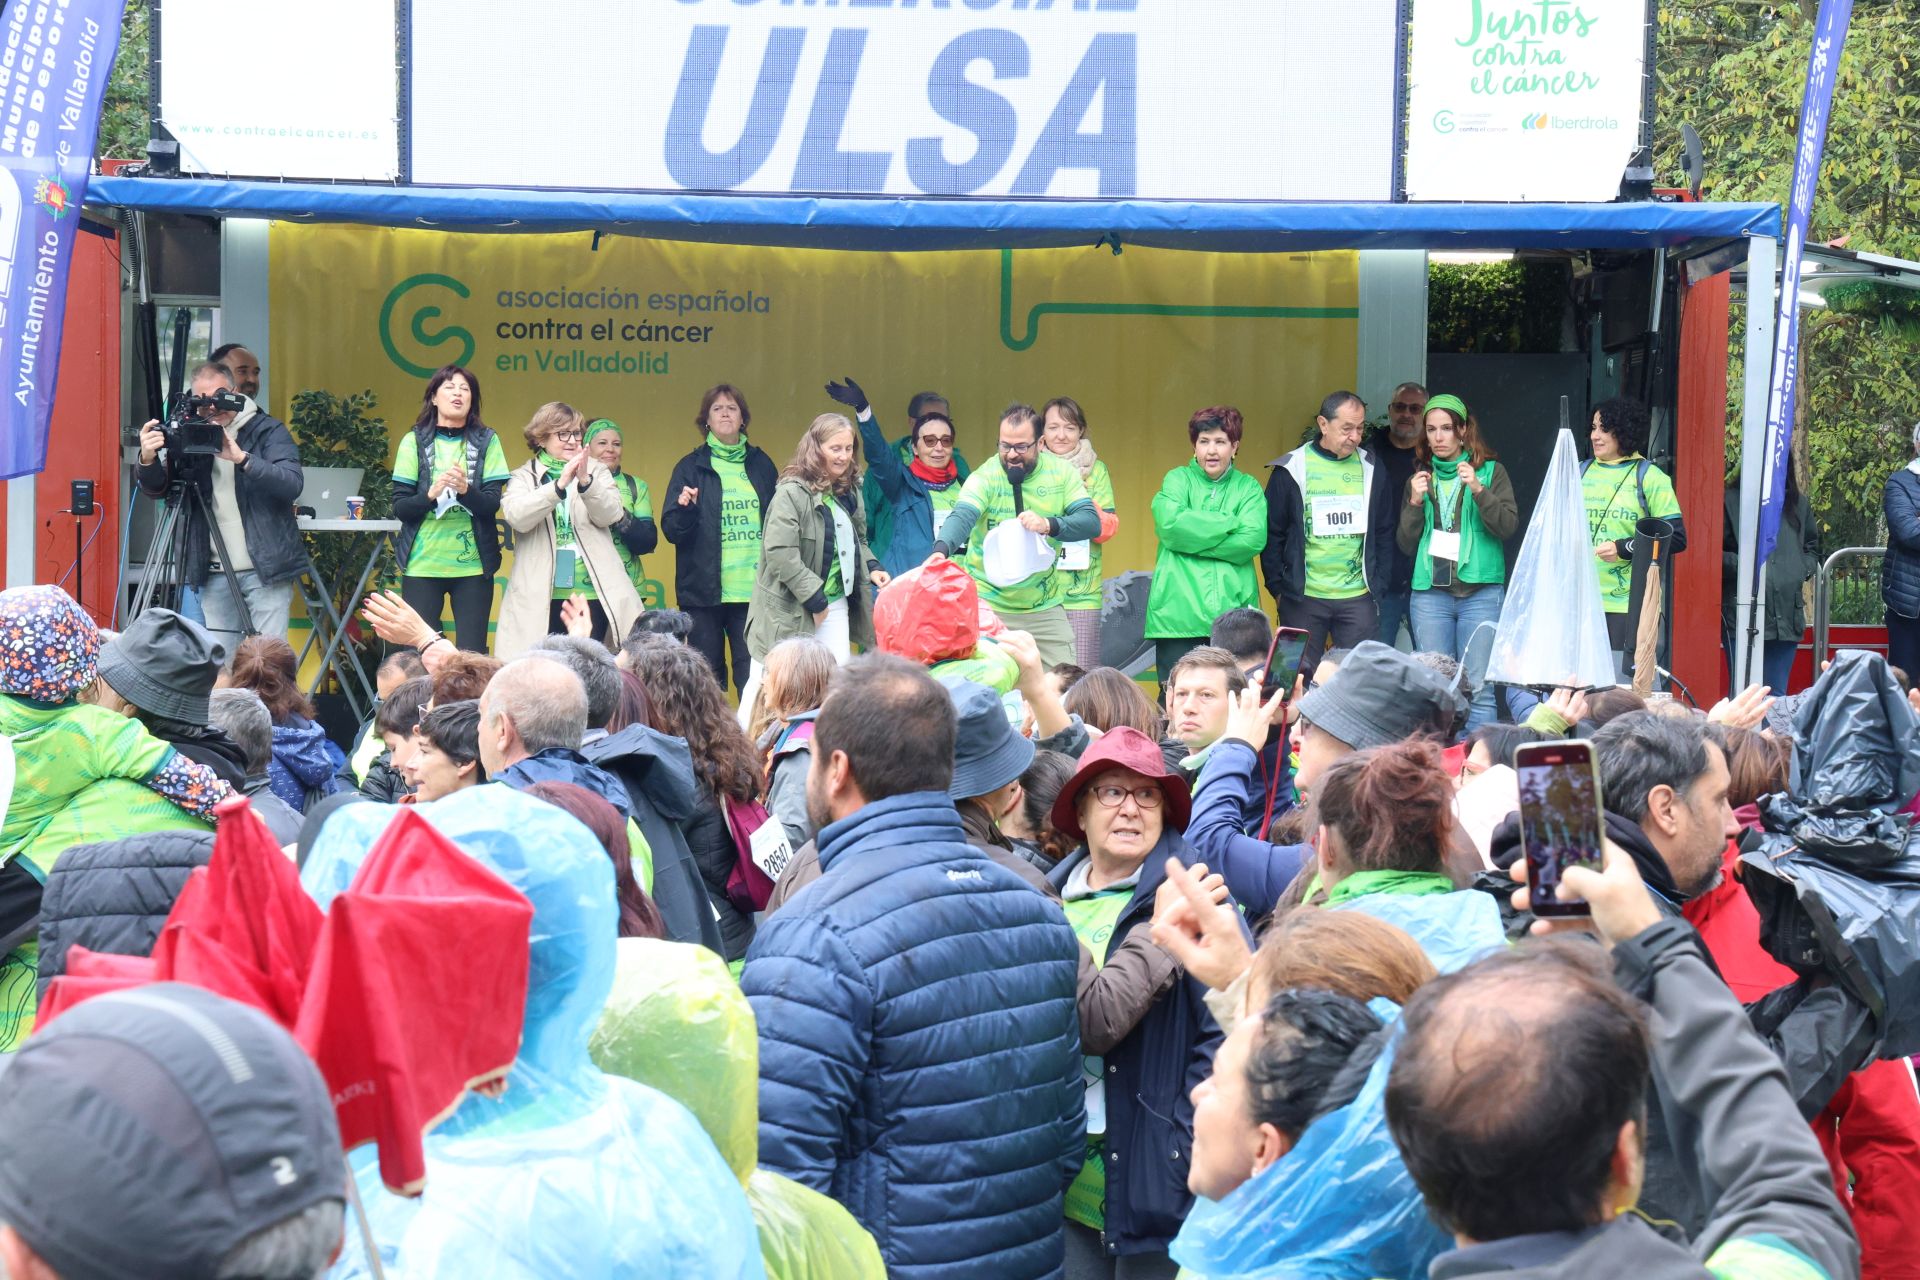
[635, 330]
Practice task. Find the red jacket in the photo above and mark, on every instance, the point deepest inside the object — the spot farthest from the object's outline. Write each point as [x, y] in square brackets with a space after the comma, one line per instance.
[1871, 1129]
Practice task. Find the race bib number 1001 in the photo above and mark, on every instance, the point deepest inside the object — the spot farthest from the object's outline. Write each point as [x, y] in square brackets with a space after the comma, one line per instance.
[1338, 517]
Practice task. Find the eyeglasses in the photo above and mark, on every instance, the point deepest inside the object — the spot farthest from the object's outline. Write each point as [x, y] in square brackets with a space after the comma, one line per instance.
[1111, 796]
[573, 436]
[1028, 447]
[1407, 406]
[937, 442]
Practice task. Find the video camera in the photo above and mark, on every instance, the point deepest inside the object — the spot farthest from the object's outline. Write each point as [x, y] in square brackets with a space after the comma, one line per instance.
[190, 433]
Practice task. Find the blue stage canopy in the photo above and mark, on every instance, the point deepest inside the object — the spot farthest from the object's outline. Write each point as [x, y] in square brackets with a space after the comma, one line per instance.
[885, 223]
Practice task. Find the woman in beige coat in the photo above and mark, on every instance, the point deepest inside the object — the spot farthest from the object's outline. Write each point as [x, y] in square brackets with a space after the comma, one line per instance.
[562, 506]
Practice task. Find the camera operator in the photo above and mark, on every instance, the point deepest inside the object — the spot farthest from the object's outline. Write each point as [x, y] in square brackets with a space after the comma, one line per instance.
[251, 486]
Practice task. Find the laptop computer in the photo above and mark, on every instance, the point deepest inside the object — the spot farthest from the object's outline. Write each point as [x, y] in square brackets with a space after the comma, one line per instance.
[326, 490]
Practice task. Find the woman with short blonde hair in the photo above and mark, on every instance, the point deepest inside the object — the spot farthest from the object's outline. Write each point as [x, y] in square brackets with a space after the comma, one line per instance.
[562, 506]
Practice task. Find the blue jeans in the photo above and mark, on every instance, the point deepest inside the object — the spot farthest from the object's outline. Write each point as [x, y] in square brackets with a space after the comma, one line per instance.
[1393, 612]
[1444, 623]
[1776, 663]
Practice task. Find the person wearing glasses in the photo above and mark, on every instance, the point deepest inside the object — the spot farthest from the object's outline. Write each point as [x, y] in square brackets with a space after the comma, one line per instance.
[912, 483]
[712, 511]
[1330, 527]
[1395, 450]
[1128, 809]
[1044, 494]
[562, 506]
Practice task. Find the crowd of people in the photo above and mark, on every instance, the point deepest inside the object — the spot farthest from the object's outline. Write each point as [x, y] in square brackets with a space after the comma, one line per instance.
[1355, 534]
[951, 951]
[1009, 970]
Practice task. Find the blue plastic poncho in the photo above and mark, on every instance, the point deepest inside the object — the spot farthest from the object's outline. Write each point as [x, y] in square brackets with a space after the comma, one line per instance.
[569, 1172]
[1339, 1206]
[678, 1021]
[1454, 929]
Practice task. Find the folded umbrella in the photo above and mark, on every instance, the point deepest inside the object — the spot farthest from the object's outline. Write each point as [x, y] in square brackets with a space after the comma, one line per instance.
[408, 991]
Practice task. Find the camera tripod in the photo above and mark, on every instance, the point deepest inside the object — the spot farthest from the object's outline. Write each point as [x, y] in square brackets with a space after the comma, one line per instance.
[166, 562]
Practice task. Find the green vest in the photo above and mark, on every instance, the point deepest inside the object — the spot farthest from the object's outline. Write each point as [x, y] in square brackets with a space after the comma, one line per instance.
[1483, 558]
[1336, 564]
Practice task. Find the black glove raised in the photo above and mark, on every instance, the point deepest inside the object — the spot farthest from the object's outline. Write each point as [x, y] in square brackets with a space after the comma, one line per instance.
[849, 394]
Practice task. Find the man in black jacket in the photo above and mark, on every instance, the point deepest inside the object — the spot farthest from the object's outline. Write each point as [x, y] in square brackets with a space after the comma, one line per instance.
[1330, 533]
[656, 772]
[251, 485]
[1664, 783]
[1519, 1098]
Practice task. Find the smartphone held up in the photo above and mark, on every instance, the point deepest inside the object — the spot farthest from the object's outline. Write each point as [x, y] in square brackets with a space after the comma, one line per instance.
[1283, 661]
[1561, 822]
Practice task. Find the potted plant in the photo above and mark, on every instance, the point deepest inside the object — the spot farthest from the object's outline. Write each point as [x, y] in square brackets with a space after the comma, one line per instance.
[342, 431]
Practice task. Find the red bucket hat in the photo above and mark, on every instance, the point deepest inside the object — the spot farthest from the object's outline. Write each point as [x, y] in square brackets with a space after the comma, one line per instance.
[1123, 748]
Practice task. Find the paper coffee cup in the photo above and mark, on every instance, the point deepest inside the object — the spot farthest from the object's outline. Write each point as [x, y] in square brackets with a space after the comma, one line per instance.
[355, 506]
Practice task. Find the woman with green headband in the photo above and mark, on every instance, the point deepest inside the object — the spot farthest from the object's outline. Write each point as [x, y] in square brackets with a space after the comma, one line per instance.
[1459, 510]
[636, 533]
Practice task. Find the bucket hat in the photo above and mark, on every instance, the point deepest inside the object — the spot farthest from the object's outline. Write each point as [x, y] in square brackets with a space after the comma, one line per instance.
[1123, 748]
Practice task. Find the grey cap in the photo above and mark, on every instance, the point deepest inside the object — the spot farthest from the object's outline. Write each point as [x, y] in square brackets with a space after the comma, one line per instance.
[149, 1131]
[987, 753]
[1381, 696]
[165, 665]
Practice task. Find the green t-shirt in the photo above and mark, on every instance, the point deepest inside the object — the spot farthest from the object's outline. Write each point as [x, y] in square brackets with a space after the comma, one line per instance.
[1083, 585]
[639, 504]
[1093, 919]
[1052, 487]
[835, 587]
[444, 546]
[1612, 500]
[1335, 499]
[739, 522]
[62, 756]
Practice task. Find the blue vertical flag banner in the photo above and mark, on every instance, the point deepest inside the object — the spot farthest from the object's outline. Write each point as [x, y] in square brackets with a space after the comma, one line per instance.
[1823, 65]
[56, 57]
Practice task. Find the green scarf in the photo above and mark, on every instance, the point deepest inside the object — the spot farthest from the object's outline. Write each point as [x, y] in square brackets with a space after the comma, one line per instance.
[553, 465]
[1412, 884]
[735, 452]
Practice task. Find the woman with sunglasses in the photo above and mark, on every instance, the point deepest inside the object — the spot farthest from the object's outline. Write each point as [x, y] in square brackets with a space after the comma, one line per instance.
[562, 506]
[1128, 810]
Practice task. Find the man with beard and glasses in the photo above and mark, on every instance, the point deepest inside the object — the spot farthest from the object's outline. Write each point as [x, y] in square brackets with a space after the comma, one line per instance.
[1044, 493]
[916, 1005]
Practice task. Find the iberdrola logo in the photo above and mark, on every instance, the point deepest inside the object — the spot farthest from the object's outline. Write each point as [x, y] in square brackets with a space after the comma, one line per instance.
[52, 195]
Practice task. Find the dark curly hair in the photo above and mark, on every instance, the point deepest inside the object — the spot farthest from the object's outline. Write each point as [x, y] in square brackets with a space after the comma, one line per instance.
[1626, 421]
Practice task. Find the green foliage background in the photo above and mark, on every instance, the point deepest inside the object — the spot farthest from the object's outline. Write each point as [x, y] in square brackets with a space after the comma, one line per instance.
[342, 431]
[1736, 69]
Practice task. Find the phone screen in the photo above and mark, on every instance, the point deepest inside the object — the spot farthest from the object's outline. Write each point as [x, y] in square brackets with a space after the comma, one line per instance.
[1560, 819]
[1283, 660]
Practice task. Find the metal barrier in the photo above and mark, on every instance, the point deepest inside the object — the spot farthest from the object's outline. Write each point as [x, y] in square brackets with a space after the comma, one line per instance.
[1824, 584]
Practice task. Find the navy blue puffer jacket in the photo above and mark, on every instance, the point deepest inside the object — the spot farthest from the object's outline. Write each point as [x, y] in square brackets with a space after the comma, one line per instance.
[919, 1046]
[1900, 571]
